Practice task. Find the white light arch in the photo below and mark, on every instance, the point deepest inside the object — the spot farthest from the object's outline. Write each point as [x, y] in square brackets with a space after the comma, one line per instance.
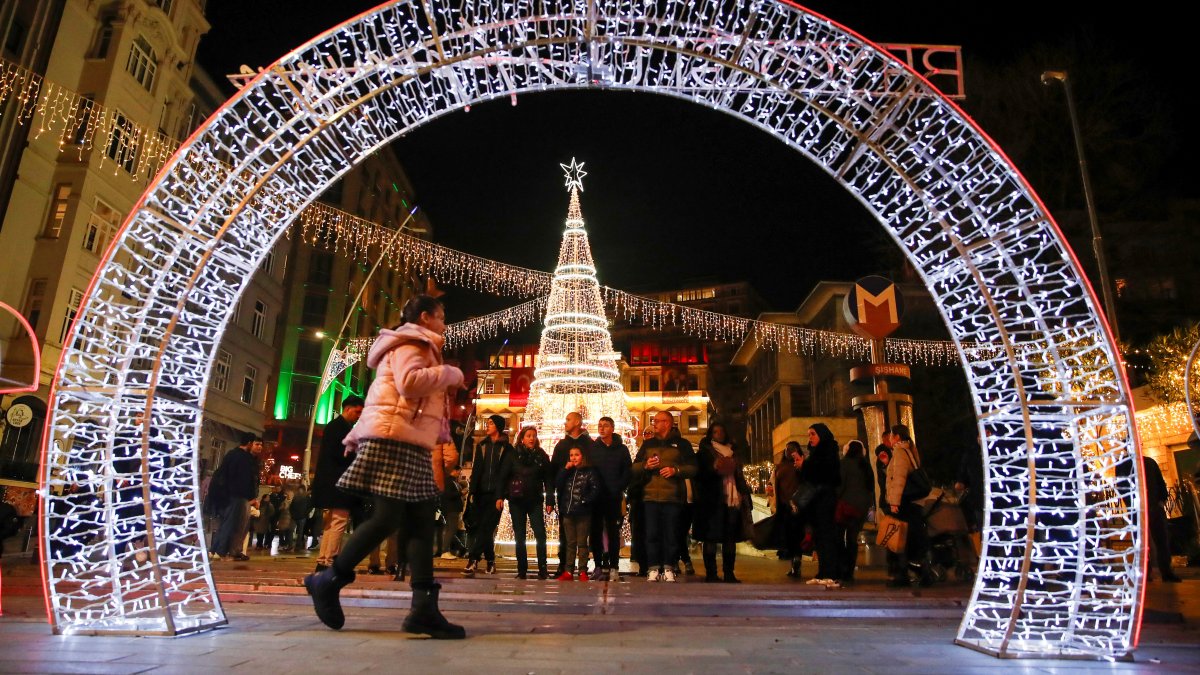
[1062, 572]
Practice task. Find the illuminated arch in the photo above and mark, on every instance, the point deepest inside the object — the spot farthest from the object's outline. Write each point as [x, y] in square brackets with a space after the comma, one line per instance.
[1062, 571]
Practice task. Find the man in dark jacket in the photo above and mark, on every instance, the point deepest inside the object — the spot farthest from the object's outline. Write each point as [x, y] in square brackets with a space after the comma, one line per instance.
[664, 462]
[237, 481]
[575, 437]
[300, 508]
[331, 464]
[492, 456]
[610, 458]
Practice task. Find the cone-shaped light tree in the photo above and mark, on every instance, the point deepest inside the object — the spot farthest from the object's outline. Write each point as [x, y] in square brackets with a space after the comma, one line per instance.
[577, 367]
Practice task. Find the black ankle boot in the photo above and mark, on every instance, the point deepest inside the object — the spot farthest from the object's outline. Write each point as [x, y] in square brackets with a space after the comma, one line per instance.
[324, 588]
[426, 619]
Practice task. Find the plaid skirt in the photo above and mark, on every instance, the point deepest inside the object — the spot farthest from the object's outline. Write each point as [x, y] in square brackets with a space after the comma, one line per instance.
[391, 469]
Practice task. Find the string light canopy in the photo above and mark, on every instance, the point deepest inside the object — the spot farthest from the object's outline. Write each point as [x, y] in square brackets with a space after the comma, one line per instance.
[577, 371]
[1062, 570]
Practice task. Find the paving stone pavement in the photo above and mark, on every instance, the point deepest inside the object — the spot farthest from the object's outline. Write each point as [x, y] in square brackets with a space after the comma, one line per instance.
[764, 626]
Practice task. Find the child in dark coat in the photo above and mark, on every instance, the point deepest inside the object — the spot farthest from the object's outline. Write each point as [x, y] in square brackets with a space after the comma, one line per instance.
[578, 487]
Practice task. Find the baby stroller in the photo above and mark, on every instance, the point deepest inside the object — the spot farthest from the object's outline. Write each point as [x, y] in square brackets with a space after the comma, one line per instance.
[949, 543]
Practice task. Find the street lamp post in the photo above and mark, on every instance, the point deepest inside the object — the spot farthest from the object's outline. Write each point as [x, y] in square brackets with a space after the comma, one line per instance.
[1110, 308]
[312, 419]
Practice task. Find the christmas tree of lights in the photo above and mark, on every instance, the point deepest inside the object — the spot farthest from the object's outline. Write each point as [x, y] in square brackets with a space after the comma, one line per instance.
[577, 367]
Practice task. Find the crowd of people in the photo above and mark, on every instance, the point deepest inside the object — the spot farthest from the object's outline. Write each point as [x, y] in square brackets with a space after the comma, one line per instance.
[389, 471]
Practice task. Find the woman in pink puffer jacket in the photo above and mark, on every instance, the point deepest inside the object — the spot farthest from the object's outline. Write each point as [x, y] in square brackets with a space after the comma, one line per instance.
[403, 422]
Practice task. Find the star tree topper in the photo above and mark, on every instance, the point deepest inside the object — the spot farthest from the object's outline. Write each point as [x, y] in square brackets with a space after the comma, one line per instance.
[575, 174]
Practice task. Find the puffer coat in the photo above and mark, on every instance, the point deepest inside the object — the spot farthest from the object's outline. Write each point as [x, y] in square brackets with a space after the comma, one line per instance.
[407, 402]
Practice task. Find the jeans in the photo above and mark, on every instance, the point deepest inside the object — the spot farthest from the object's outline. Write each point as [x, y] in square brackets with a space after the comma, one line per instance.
[848, 538]
[606, 532]
[532, 512]
[662, 532]
[637, 534]
[414, 523]
[232, 532]
[917, 544]
[576, 531]
[487, 519]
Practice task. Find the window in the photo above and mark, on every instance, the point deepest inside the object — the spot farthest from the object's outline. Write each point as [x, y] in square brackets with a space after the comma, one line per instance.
[258, 323]
[308, 356]
[303, 395]
[73, 302]
[653, 383]
[320, 270]
[100, 228]
[248, 384]
[122, 148]
[635, 383]
[33, 301]
[237, 313]
[216, 450]
[220, 379]
[269, 261]
[693, 422]
[16, 38]
[142, 63]
[164, 5]
[60, 201]
[801, 401]
[104, 40]
[313, 311]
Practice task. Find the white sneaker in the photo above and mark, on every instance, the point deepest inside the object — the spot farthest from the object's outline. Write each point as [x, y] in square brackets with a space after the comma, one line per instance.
[449, 556]
[669, 575]
[816, 582]
[214, 557]
[654, 575]
[833, 583]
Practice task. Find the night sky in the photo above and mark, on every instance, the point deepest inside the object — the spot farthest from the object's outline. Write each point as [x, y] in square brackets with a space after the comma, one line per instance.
[676, 191]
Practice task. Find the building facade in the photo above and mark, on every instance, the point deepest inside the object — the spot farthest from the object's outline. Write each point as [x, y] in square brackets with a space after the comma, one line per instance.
[66, 197]
[653, 383]
[320, 286]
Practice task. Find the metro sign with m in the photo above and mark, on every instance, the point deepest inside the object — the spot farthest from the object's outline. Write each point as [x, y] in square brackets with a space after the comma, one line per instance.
[874, 307]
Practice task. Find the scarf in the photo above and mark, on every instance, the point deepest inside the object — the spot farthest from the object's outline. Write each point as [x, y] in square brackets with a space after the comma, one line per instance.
[732, 499]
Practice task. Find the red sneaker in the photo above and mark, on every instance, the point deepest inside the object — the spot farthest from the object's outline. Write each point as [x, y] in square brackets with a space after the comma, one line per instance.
[565, 576]
[583, 576]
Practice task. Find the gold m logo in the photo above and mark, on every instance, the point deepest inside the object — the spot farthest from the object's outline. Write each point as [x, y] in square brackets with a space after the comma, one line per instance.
[885, 300]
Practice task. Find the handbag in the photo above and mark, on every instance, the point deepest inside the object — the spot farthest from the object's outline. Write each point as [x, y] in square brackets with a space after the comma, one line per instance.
[846, 513]
[917, 485]
[747, 516]
[803, 496]
[891, 533]
[765, 536]
[517, 487]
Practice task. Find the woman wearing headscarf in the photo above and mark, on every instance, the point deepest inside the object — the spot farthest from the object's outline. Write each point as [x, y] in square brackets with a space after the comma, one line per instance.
[822, 469]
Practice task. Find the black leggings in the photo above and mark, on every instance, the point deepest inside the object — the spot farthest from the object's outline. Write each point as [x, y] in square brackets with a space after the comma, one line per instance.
[414, 520]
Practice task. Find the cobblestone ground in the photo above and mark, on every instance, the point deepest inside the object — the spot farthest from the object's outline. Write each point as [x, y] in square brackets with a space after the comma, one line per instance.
[768, 624]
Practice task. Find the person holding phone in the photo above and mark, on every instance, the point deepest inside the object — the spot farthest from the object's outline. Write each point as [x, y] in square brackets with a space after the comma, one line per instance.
[664, 462]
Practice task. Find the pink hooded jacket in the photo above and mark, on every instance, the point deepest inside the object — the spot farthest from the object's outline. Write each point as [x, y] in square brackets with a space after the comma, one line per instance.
[407, 401]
